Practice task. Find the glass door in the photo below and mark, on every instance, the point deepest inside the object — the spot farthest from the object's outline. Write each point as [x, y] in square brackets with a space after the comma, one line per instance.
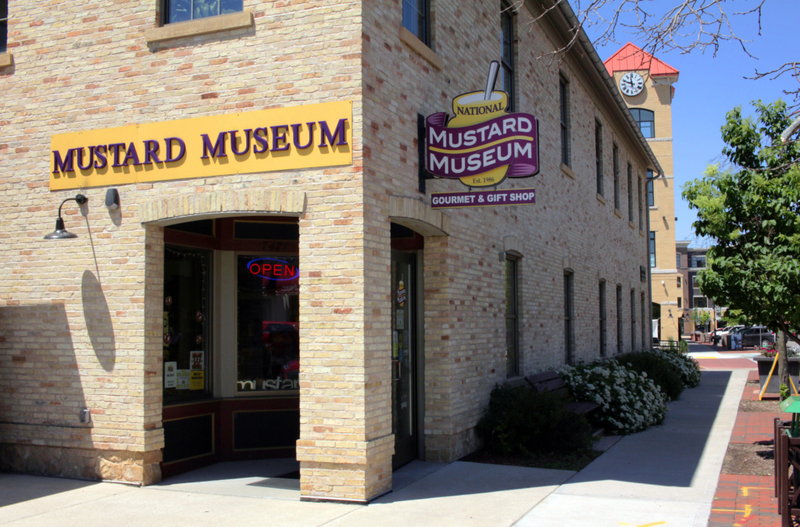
[403, 359]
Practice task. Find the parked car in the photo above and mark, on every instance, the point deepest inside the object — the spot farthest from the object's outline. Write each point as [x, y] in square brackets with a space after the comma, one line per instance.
[757, 336]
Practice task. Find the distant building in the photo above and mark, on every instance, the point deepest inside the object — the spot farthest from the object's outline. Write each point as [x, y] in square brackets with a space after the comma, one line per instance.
[646, 86]
[691, 260]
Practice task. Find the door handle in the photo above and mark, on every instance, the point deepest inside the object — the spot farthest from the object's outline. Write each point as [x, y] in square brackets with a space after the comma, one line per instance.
[399, 370]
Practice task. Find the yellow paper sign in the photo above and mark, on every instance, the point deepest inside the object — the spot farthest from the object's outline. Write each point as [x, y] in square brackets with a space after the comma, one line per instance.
[308, 136]
[197, 380]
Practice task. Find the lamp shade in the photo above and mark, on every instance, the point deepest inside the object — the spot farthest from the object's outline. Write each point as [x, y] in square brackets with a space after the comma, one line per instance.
[60, 233]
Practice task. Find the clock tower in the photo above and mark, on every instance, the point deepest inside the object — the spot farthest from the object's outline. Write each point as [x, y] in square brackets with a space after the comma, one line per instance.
[646, 85]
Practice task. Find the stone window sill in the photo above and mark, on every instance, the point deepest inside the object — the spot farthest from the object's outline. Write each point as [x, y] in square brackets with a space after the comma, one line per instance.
[567, 171]
[618, 212]
[6, 60]
[421, 49]
[601, 199]
[631, 225]
[202, 26]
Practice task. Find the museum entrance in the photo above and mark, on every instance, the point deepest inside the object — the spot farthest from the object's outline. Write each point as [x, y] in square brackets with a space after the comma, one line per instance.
[230, 341]
[407, 366]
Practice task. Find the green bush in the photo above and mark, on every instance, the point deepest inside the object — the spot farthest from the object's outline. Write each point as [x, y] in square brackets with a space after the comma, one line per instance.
[688, 368]
[658, 369]
[629, 401]
[683, 346]
[520, 421]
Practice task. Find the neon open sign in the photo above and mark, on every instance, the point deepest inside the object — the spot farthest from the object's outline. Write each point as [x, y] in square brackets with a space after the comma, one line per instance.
[273, 269]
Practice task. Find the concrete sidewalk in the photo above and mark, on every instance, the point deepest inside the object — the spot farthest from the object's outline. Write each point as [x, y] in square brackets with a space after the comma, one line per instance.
[664, 476]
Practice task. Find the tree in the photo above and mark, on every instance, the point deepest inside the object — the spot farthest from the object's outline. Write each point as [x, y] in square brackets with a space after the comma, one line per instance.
[750, 212]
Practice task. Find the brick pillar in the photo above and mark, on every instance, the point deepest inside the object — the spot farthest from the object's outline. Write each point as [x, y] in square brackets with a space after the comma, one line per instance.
[346, 446]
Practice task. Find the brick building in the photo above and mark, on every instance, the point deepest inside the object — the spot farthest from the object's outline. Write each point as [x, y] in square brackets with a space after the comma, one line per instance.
[260, 270]
[647, 87]
[692, 260]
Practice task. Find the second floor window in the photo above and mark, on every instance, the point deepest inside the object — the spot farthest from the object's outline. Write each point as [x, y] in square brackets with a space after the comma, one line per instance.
[3, 25]
[616, 176]
[646, 121]
[507, 58]
[598, 153]
[563, 91]
[183, 10]
[652, 248]
[415, 19]
[651, 195]
[630, 193]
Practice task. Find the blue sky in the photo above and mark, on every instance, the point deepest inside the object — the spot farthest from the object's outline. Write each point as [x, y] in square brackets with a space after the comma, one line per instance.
[709, 87]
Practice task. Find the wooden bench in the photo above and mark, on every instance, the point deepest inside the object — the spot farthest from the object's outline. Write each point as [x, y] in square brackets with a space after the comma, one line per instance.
[549, 381]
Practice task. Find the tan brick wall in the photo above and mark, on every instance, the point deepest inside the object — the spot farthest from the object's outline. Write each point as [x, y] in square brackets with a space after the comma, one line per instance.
[81, 319]
[464, 319]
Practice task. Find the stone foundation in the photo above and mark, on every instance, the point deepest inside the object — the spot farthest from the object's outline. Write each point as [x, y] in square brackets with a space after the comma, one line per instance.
[140, 468]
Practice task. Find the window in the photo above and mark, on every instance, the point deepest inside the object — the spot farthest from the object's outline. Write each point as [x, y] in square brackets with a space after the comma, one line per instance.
[616, 176]
[268, 337]
[700, 301]
[680, 301]
[698, 261]
[563, 90]
[598, 154]
[568, 345]
[630, 193]
[645, 323]
[651, 198]
[3, 25]
[694, 281]
[619, 319]
[678, 266]
[183, 10]
[633, 319]
[645, 120]
[679, 278]
[186, 351]
[507, 59]
[641, 205]
[415, 19]
[512, 320]
[652, 249]
[602, 303]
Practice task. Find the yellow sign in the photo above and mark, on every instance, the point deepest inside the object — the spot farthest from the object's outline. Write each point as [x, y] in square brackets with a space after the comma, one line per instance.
[197, 379]
[309, 136]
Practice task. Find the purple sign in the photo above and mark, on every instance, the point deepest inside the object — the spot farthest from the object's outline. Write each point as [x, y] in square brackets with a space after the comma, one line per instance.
[517, 196]
[509, 140]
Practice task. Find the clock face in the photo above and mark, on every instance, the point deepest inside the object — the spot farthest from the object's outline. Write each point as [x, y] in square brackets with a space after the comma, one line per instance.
[631, 84]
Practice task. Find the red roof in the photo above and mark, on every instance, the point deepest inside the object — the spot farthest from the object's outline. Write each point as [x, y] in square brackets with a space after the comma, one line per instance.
[631, 57]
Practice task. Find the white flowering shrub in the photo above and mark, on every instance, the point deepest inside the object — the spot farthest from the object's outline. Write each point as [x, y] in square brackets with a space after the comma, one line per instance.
[629, 401]
[687, 366]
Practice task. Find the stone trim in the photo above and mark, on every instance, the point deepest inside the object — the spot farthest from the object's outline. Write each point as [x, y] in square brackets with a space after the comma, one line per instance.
[6, 60]
[421, 48]
[601, 199]
[567, 171]
[512, 244]
[201, 26]
[418, 216]
[227, 201]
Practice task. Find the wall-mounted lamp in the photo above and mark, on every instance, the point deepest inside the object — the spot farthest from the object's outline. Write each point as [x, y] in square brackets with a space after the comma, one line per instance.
[61, 233]
[112, 199]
